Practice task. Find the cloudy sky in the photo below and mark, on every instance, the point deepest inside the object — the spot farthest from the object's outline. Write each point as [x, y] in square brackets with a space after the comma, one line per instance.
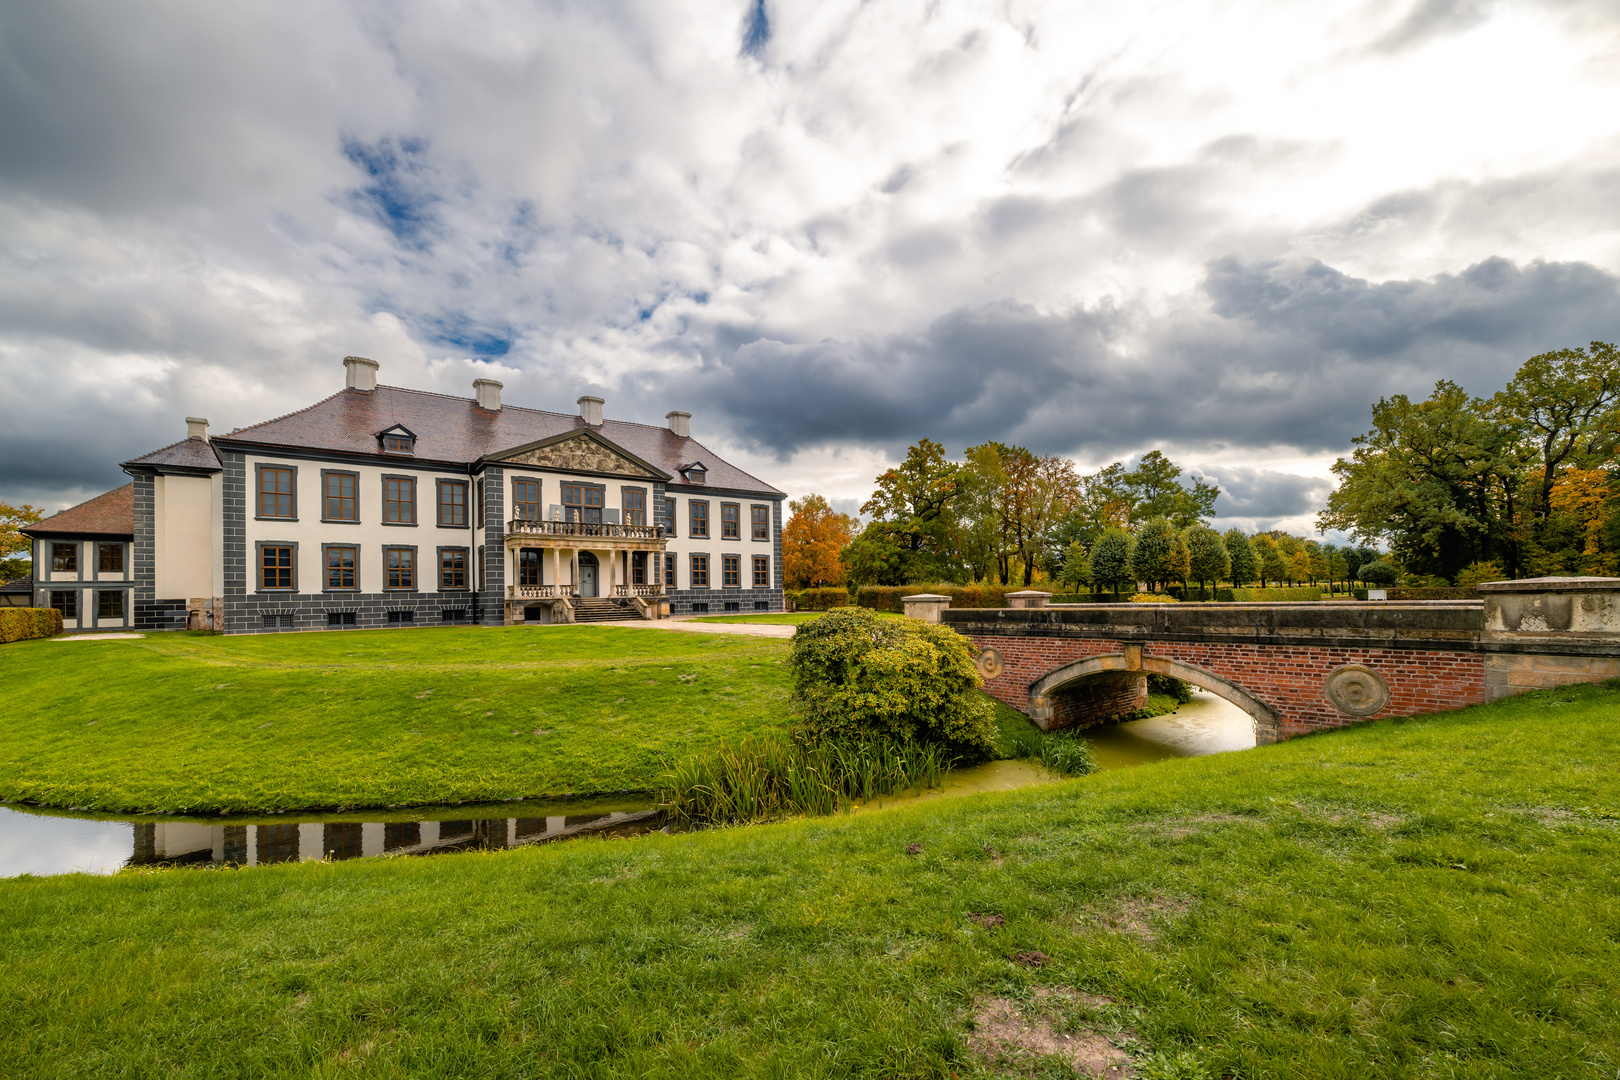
[825, 228]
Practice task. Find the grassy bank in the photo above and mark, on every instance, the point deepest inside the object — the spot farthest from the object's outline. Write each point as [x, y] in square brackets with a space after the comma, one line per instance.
[1429, 898]
[371, 718]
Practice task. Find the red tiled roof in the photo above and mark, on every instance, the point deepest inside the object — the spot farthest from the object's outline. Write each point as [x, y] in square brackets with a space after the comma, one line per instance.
[452, 429]
[112, 514]
[186, 454]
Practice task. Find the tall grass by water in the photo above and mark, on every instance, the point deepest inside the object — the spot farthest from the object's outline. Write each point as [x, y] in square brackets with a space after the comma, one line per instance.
[1062, 752]
[765, 778]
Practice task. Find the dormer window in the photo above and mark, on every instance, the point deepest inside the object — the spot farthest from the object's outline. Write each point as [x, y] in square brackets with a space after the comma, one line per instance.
[695, 473]
[398, 440]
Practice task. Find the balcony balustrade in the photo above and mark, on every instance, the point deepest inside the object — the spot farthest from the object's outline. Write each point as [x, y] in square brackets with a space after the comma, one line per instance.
[585, 530]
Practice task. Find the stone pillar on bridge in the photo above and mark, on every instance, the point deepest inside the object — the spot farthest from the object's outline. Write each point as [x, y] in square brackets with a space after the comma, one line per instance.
[925, 606]
[1551, 631]
[1029, 598]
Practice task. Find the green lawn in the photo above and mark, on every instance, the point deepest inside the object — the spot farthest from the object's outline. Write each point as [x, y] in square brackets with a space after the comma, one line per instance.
[371, 718]
[1433, 898]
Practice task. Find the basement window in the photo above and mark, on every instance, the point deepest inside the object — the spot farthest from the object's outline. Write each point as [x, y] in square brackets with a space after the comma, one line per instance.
[339, 619]
[401, 616]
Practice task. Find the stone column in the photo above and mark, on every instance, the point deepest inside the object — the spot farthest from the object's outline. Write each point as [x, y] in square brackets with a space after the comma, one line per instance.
[925, 606]
[1551, 631]
[1028, 598]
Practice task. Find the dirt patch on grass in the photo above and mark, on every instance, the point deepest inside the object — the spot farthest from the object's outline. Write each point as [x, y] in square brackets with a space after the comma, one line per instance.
[1134, 915]
[1021, 1036]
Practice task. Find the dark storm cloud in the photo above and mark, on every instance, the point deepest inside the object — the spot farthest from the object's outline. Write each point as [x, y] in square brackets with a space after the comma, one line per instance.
[1281, 355]
[1265, 494]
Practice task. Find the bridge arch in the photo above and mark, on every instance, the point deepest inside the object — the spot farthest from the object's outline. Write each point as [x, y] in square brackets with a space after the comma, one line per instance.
[1267, 723]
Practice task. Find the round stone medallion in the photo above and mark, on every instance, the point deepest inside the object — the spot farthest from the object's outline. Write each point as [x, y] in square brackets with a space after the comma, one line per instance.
[1356, 690]
[990, 664]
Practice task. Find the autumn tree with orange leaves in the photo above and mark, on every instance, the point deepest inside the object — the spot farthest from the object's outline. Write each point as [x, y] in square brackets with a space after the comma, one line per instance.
[811, 541]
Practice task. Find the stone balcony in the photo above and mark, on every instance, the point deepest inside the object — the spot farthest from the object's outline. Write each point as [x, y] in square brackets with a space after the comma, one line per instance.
[584, 535]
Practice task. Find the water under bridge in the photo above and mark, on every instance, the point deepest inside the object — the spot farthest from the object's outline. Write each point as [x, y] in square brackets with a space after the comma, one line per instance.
[1293, 667]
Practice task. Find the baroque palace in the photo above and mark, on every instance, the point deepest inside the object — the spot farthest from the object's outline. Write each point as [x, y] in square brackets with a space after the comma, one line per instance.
[385, 507]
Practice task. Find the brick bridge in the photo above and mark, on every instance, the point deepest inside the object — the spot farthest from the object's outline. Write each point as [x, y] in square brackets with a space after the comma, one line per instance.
[1294, 667]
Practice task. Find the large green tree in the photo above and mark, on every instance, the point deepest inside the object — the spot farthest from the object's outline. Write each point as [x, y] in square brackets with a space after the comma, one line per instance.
[1111, 558]
[1208, 559]
[1437, 478]
[1156, 490]
[914, 503]
[1244, 566]
[1161, 554]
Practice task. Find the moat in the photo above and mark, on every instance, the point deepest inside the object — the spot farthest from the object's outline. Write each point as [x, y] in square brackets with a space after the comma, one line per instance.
[35, 841]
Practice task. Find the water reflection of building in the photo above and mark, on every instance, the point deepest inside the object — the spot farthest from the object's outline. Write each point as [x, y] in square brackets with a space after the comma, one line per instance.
[250, 845]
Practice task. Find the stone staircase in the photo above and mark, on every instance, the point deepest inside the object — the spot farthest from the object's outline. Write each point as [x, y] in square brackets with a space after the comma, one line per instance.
[597, 609]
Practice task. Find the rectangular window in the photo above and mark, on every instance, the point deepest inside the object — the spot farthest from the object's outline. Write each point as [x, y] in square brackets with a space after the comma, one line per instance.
[528, 567]
[762, 522]
[638, 568]
[340, 567]
[275, 567]
[762, 572]
[581, 503]
[67, 603]
[401, 616]
[397, 444]
[110, 558]
[525, 500]
[275, 492]
[700, 571]
[730, 521]
[730, 571]
[669, 517]
[453, 568]
[699, 512]
[399, 500]
[452, 504]
[110, 604]
[478, 505]
[340, 618]
[64, 558]
[342, 496]
[481, 568]
[669, 571]
[635, 507]
[401, 564]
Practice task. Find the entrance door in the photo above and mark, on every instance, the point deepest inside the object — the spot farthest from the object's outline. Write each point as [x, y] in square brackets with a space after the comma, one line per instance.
[587, 574]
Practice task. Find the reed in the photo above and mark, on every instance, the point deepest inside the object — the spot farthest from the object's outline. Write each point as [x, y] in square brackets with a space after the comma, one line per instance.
[1062, 752]
[761, 779]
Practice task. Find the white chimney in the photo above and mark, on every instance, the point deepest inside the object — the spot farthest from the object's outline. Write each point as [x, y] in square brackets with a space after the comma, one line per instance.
[680, 423]
[196, 428]
[590, 410]
[488, 392]
[362, 373]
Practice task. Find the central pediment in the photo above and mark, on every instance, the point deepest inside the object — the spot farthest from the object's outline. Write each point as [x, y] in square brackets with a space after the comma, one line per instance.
[581, 451]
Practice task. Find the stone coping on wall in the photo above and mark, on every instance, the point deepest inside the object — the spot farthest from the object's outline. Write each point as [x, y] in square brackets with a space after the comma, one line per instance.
[1552, 584]
[1455, 625]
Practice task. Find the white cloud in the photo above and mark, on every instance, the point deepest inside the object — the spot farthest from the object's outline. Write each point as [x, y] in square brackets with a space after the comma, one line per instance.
[1008, 219]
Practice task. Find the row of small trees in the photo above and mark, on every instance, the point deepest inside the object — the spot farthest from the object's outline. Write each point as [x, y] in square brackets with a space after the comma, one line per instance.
[1157, 554]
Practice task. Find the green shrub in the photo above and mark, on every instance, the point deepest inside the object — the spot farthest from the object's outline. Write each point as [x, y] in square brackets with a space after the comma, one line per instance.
[1153, 598]
[1448, 593]
[822, 599]
[1379, 574]
[22, 624]
[860, 677]
[1225, 596]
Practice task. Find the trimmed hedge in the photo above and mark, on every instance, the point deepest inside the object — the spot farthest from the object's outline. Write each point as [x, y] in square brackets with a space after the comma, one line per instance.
[822, 599]
[1276, 595]
[21, 624]
[887, 597]
[1466, 592]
